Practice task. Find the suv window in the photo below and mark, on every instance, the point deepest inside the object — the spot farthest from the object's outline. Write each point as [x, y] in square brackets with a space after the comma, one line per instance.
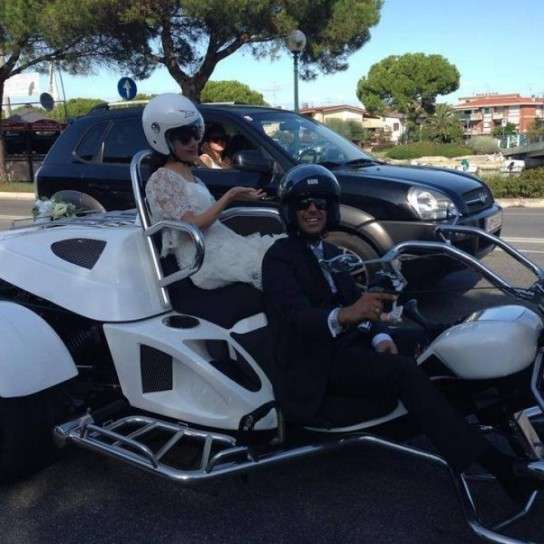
[89, 145]
[124, 138]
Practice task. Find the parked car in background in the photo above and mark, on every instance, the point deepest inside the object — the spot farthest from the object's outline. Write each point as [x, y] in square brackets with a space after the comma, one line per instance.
[382, 204]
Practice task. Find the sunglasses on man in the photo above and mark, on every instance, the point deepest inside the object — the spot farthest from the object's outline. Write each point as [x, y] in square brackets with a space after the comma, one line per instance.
[305, 203]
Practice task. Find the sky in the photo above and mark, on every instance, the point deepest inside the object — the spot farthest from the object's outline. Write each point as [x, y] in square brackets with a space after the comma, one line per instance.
[495, 44]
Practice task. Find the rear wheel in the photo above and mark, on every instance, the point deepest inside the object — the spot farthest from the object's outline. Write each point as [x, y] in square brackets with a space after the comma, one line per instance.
[357, 246]
[26, 435]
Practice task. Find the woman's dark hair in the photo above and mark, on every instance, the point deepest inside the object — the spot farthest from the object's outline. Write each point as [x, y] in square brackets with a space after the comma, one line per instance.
[214, 129]
[157, 160]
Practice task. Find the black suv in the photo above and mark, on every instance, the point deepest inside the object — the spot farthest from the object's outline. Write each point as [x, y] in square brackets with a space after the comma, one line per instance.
[381, 204]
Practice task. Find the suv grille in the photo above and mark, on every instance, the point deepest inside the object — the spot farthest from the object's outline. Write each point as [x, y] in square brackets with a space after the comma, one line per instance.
[478, 199]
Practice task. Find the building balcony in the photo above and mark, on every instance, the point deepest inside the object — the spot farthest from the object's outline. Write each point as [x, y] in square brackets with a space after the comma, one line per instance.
[476, 116]
[498, 115]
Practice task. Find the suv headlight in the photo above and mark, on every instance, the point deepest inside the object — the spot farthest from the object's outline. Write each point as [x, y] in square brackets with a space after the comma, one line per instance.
[431, 205]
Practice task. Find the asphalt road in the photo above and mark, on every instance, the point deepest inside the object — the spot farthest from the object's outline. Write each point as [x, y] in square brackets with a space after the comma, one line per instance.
[364, 496]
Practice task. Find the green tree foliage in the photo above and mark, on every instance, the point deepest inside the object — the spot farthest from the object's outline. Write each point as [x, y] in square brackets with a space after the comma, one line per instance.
[443, 126]
[231, 91]
[508, 130]
[35, 32]
[189, 37]
[350, 129]
[408, 83]
[74, 108]
[536, 131]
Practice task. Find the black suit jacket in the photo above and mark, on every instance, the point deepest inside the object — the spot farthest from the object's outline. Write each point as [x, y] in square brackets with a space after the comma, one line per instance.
[298, 301]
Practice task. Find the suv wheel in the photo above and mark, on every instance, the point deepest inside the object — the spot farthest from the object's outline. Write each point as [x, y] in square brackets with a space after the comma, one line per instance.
[355, 245]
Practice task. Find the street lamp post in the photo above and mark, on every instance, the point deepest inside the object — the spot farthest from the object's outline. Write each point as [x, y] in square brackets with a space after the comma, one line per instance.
[296, 42]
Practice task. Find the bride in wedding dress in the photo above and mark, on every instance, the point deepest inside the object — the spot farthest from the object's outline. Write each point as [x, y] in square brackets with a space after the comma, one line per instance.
[174, 127]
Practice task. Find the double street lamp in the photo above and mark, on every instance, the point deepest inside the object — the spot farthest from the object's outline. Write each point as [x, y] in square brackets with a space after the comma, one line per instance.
[296, 42]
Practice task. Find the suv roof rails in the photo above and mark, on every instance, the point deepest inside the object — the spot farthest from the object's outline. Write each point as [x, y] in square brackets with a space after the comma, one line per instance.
[106, 106]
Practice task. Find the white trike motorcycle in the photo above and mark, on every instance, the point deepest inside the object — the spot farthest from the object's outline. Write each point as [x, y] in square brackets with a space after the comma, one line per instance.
[94, 354]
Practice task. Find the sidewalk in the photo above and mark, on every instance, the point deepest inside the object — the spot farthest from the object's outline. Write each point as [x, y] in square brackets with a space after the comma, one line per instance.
[17, 196]
[504, 202]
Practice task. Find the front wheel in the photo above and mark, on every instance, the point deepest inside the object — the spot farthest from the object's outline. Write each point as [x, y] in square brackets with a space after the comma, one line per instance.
[26, 434]
[357, 246]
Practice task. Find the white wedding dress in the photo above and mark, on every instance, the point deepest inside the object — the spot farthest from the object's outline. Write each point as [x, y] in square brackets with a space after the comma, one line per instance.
[228, 258]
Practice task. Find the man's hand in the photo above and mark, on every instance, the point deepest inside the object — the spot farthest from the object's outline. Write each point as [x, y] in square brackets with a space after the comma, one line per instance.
[387, 346]
[369, 306]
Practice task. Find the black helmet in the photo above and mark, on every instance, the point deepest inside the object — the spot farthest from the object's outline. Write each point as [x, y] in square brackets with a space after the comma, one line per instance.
[309, 180]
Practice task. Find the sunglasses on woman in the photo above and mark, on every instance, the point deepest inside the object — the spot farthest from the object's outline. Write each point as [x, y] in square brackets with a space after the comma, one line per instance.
[185, 134]
[305, 203]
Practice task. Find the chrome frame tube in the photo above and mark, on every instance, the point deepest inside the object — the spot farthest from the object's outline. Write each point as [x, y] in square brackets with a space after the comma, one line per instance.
[443, 248]
[240, 459]
[150, 229]
[512, 251]
[239, 211]
[142, 212]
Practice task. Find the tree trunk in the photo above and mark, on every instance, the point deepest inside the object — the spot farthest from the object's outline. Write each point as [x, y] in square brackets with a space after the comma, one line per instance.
[3, 165]
[192, 88]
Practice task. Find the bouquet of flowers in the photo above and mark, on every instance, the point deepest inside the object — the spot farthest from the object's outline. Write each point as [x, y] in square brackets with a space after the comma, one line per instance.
[50, 209]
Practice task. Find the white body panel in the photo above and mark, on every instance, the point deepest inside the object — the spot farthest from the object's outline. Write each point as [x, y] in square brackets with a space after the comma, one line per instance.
[121, 285]
[201, 394]
[33, 357]
[492, 343]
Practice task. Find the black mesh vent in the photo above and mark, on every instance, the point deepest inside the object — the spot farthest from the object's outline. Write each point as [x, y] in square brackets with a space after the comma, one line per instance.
[82, 252]
[478, 199]
[238, 370]
[156, 368]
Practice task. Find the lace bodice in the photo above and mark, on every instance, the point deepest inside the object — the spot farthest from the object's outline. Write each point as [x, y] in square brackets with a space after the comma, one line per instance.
[170, 196]
[228, 258]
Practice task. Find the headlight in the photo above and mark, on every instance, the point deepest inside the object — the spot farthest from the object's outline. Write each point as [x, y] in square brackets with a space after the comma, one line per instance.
[431, 205]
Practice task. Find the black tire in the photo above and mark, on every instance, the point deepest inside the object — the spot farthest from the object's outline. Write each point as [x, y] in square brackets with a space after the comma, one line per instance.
[355, 245]
[26, 435]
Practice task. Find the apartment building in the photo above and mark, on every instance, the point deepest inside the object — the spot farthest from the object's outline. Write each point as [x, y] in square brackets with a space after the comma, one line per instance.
[481, 113]
[391, 124]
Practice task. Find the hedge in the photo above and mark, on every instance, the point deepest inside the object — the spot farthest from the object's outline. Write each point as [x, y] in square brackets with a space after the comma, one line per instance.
[428, 149]
[529, 184]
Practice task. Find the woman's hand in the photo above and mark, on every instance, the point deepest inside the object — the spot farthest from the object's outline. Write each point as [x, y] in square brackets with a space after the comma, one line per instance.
[244, 193]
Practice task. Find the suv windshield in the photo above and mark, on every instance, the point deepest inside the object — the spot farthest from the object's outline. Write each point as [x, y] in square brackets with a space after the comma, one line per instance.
[306, 140]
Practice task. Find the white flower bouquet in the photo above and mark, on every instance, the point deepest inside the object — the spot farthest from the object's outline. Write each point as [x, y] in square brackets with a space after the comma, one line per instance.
[50, 209]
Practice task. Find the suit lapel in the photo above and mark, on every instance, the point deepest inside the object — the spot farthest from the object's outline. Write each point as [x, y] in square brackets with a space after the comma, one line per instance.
[312, 275]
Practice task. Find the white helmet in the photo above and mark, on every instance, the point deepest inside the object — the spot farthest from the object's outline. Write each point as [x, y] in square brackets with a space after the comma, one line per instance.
[167, 112]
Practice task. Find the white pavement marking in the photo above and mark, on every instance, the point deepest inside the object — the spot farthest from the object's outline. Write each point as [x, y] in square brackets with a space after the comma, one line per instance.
[12, 217]
[521, 240]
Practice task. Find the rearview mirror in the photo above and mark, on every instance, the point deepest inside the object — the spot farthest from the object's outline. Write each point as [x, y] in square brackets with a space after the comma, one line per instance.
[252, 161]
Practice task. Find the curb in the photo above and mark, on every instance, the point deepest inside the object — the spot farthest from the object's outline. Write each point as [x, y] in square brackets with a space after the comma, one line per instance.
[520, 202]
[17, 196]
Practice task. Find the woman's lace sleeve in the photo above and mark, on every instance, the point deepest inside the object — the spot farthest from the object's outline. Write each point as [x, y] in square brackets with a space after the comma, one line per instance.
[167, 195]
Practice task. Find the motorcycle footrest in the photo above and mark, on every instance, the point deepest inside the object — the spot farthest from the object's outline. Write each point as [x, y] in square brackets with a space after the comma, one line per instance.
[170, 449]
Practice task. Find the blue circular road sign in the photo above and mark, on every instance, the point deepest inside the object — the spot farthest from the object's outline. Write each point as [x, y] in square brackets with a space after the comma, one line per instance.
[126, 88]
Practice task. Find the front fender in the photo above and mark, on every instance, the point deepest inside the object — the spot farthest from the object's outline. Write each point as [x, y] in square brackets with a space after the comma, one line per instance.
[32, 356]
[367, 226]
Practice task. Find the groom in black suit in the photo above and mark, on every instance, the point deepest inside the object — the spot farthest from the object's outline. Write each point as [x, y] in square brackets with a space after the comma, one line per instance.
[332, 352]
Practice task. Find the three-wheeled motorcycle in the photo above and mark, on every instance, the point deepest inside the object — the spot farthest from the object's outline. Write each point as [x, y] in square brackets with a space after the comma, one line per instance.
[94, 354]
